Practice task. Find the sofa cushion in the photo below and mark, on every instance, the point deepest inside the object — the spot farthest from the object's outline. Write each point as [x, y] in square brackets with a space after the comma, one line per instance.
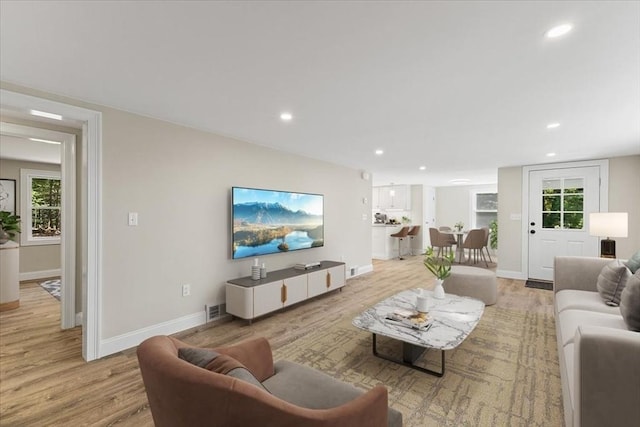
[571, 319]
[197, 356]
[633, 263]
[582, 300]
[570, 363]
[630, 302]
[612, 280]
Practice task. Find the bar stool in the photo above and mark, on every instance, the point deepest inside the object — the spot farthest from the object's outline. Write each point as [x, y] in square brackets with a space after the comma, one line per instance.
[412, 233]
[400, 235]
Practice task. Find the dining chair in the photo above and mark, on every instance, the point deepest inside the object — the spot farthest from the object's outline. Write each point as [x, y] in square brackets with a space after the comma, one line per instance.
[475, 242]
[400, 235]
[441, 241]
[486, 241]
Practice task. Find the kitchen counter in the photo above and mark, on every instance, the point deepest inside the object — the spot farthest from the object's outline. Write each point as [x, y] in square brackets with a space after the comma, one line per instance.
[383, 245]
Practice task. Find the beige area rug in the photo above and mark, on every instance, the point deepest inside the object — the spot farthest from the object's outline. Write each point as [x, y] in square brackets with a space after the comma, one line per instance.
[505, 374]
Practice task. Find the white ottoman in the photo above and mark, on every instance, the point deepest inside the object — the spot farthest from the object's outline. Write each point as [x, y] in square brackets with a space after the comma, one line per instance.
[472, 282]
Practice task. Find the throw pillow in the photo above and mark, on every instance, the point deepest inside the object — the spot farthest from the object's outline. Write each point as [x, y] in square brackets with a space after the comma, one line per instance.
[630, 302]
[227, 365]
[634, 262]
[197, 356]
[611, 282]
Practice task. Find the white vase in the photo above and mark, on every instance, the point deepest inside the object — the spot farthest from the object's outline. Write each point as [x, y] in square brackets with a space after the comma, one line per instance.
[438, 291]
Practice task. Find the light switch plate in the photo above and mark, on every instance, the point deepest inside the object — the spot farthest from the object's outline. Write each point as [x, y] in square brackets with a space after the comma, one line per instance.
[133, 219]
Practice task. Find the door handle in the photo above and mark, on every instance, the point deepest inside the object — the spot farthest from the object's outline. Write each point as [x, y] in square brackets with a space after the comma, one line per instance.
[533, 232]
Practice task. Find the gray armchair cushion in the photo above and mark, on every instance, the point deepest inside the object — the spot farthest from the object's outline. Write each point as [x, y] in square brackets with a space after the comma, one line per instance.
[611, 282]
[197, 356]
[218, 363]
[630, 302]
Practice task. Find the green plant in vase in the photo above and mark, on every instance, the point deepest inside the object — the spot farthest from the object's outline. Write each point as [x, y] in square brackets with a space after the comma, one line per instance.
[9, 226]
[439, 266]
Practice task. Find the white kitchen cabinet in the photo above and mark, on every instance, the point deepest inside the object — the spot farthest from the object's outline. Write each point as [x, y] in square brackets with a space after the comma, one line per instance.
[392, 197]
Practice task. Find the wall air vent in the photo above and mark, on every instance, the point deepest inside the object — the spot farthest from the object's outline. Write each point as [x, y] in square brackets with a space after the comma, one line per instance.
[215, 312]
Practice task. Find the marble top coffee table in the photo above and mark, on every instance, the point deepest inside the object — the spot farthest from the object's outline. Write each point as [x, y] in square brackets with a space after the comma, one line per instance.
[453, 319]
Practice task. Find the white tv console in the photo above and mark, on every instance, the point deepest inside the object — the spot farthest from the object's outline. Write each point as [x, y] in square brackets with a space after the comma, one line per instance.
[248, 299]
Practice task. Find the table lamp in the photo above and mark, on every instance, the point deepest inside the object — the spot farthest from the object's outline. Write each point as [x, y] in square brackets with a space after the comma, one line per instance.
[608, 224]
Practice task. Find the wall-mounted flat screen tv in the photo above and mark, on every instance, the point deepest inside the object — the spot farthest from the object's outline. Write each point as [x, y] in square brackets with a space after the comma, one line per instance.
[272, 221]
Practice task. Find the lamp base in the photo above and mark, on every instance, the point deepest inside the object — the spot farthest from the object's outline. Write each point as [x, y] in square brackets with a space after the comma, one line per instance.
[608, 248]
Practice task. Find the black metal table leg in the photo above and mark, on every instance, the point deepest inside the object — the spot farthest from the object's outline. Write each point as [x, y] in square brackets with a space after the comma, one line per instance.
[410, 354]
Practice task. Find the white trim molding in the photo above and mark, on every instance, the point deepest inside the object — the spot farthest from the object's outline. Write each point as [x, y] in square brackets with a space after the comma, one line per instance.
[42, 274]
[132, 339]
[508, 274]
[91, 207]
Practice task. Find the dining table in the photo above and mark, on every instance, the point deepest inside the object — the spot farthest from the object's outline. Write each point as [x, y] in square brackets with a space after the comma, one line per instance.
[459, 236]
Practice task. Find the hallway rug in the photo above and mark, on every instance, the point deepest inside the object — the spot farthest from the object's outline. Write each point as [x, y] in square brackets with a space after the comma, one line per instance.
[53, 287]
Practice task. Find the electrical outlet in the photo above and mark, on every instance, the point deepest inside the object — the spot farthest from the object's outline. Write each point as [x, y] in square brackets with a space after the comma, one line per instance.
[186, 290]
[133, 219]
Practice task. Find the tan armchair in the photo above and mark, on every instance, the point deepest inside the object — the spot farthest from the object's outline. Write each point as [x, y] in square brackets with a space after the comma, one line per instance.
[183, 394]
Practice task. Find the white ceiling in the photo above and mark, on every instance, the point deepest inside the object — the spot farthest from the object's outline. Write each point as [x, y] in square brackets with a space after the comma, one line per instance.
[462, 87]
[15, 148]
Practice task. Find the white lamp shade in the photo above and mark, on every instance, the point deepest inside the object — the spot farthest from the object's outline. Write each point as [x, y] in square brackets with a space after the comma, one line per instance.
[608, 224]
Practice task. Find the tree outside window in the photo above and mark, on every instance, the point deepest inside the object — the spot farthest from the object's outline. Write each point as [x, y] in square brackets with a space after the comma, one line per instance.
[45, 207]
[563, 204]
[41, 193]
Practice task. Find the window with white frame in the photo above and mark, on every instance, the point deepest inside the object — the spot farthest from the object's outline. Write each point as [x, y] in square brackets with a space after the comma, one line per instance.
[41, 202]
[485, 208]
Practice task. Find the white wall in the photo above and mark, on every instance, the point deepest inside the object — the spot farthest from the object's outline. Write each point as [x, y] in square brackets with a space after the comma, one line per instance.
[624, 181]
[43, 259]
[455, 204]
[178, 180]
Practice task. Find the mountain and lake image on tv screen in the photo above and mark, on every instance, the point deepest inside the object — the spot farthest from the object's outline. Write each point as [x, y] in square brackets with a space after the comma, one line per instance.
[271, 221]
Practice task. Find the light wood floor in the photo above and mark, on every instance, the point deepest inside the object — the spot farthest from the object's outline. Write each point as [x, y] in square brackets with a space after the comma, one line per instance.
[44, 380]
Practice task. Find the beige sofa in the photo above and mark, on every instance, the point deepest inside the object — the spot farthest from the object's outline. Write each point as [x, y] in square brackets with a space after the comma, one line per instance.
[599, 356]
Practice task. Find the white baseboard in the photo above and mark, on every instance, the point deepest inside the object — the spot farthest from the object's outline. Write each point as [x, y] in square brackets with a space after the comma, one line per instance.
[363, 269]
[132, 339]
[43, 274]
[506, 274]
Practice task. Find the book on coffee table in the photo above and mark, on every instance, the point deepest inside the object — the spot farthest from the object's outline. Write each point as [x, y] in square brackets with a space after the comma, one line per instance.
[410, 318]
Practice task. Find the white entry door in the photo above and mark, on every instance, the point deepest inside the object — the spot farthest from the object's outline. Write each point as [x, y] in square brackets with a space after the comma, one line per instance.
[560, 201]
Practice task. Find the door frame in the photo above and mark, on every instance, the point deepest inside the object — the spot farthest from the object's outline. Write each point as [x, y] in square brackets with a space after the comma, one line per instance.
[90, 206]
[603, 164]
[68, 213]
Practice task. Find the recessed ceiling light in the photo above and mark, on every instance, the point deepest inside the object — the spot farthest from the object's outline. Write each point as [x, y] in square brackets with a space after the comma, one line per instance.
[422, 168]
[379, 152]
[286, 116]
[559, 31]
[48, 141]
[460, 181]
[553, 125]
[551, 154]
[45, 114]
